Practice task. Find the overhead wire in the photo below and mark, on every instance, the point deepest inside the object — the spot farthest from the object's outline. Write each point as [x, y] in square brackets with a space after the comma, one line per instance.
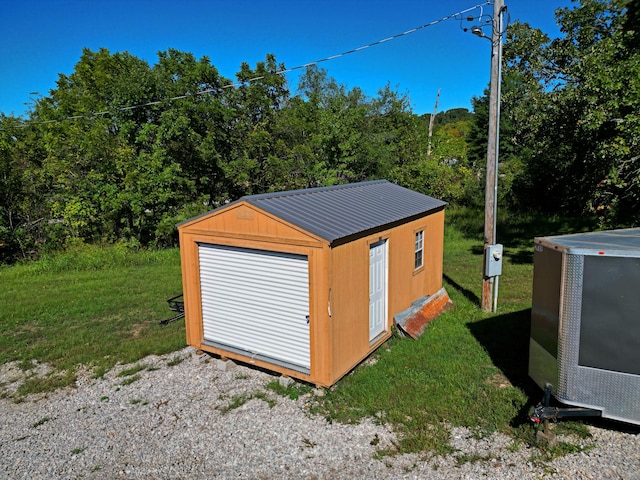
[456, 15]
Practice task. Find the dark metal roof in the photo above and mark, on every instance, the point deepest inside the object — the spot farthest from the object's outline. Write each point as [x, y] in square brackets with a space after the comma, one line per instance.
[623, 241]
[342, 211]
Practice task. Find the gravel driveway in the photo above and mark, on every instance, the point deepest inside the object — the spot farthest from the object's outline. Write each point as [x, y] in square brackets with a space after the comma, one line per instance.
[180, 418]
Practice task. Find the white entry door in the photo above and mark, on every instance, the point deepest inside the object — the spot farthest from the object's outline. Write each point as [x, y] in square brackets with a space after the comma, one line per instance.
[377, 289]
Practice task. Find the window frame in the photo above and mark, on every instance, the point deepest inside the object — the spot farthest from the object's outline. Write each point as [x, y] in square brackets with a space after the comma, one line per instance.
[418, 249]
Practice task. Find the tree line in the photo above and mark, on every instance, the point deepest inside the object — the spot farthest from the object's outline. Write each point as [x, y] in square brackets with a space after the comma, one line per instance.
[121, 150]
[85, 166]
[570, 123]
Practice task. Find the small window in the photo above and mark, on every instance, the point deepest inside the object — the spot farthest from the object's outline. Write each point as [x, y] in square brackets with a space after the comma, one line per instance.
[419, 250]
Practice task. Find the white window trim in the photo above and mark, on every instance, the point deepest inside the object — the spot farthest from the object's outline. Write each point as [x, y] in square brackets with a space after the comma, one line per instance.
[418, 248]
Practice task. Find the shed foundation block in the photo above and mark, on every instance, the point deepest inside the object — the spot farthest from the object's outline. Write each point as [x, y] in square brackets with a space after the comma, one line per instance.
[225, 365]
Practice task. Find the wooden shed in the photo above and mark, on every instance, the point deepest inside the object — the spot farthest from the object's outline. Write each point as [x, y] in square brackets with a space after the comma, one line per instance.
[306, 282]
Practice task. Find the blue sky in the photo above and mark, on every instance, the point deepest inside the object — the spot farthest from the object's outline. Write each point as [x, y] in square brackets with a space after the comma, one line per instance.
[40, 39]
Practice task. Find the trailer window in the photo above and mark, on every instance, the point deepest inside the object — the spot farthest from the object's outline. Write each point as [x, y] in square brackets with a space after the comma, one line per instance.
[419, 250]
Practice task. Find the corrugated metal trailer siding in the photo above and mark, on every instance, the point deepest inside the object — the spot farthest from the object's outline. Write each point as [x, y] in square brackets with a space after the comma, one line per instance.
[585, 334]
[257, 303]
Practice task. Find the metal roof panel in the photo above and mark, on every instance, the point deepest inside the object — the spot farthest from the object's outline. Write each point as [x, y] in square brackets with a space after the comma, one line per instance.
[341, 211]
[611, 241]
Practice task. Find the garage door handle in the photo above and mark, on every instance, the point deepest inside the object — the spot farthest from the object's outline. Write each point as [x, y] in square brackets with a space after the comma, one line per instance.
[307, 317]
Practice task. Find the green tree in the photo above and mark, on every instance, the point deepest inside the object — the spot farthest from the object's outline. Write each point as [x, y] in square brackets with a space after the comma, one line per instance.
[129, 149]
[449, 116]
[77, 166]
[350, 137]
[180, 155]
[15, 221]
[121, 150]
[569, 123]
[253, 165]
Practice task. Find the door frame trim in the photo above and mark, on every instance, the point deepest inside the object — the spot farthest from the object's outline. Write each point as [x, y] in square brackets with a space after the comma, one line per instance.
[385, 326]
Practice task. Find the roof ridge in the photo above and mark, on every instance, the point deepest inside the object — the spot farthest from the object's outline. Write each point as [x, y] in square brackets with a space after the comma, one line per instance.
[309, 191]
[338, 212]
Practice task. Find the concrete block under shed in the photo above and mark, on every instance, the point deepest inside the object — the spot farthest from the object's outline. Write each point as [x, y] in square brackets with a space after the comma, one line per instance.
[285, 381]
[225, 365]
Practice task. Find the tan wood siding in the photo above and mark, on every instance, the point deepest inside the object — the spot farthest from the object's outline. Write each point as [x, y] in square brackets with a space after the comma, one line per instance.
[319, 321]
[247, 220]
[349, 305]
[350, 281]
[317, 286]
[407, 283]
[338, 281]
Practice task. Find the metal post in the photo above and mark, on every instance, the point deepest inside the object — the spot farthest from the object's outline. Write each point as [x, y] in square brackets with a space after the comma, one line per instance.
[491, 188]
[431, 121]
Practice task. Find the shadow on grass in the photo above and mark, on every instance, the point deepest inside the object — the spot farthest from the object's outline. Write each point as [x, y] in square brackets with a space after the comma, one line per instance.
[517, 230]
[520, 257]
[506, 340]
[468, 294]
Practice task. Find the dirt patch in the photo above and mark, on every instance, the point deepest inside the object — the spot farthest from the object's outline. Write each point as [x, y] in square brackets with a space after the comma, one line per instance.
[12, 375]
[138, 328]
[499, 380]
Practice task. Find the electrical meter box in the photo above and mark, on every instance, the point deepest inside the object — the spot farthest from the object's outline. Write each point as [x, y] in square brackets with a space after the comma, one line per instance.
[493, 260]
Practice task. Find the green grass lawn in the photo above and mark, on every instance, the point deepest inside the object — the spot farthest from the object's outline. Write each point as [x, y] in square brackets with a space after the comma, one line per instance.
[469, 368]
[91, 306]
[99, 306]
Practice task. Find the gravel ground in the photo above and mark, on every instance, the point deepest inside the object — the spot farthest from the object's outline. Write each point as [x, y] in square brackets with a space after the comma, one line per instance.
[179, 420]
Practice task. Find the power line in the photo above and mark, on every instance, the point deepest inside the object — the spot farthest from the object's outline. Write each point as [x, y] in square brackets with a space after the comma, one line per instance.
[456, 15]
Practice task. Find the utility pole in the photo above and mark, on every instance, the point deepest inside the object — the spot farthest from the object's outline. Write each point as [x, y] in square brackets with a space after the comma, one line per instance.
[489, 278]
[431, 120]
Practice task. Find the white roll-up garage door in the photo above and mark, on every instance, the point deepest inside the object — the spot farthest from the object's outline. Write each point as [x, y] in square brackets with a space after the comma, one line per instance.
[256, 303]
